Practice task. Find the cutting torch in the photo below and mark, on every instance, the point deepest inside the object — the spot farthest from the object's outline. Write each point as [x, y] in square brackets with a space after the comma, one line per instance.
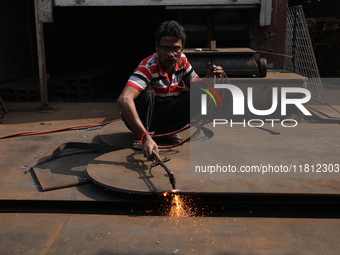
[170, 173]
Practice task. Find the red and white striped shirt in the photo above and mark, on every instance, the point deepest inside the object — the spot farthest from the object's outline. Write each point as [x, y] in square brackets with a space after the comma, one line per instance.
[149, 72]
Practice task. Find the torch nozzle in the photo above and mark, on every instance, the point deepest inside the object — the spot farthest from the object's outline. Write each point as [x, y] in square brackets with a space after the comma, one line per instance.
[172, 180]
[171, 174]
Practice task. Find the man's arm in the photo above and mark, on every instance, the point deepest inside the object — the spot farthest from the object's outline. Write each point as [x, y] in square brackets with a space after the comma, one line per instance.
[129, 112]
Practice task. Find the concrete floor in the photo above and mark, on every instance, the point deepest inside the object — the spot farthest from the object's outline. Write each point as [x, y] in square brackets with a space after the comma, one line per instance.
[129, 233]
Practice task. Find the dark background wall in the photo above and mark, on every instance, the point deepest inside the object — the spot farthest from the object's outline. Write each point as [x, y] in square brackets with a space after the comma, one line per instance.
[91, 34]
[17, 39]
[319, 8]
[88, 35]
[81, 36]
[323, 19]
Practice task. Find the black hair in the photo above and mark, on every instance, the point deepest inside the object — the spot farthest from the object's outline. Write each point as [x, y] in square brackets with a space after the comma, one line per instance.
[170, 28]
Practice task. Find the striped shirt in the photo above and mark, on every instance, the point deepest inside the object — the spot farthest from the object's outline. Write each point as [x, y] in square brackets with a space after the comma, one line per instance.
[150, 72]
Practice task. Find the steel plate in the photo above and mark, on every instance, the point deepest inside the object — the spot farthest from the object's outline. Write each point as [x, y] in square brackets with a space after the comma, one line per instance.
[128, 170]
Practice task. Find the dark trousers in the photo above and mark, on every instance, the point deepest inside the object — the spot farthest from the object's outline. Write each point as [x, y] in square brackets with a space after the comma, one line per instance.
[163, 116]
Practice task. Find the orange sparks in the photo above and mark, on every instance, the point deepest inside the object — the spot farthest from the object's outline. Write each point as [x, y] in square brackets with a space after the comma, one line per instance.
[180, 207]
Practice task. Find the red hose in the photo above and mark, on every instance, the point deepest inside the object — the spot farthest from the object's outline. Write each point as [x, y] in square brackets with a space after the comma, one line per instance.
[26, 133]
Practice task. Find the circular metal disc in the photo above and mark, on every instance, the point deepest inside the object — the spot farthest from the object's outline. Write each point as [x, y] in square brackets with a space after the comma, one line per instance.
[128, 170]
[117, 134]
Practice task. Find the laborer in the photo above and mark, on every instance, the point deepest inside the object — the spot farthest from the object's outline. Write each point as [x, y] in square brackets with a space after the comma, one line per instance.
[153, 99]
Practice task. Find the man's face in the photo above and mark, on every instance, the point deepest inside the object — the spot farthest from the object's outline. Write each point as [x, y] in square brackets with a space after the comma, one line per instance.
[169, 51]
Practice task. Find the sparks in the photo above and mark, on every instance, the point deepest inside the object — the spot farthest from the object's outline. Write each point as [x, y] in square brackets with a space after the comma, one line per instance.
[180, 207]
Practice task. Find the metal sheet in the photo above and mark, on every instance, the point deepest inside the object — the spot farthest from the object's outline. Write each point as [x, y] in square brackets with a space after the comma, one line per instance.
[129, 171]
[51, 182]
[88, 234]
[150, 2]
[117, 134]
[61, 173]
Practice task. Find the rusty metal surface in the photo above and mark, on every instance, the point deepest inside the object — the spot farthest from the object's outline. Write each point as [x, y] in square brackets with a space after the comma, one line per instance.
[111, 234]
[128, 171]
[20, 152]
[66, 172]
[29, 233]
[117, 134]
[50, 182]
[149, 235]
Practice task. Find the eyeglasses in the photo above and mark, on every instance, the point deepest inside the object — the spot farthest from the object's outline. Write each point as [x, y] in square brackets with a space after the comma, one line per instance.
[167, 49]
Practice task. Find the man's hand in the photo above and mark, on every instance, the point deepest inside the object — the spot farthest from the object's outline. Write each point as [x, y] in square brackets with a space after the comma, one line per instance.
[148, 146]
[215, 71]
